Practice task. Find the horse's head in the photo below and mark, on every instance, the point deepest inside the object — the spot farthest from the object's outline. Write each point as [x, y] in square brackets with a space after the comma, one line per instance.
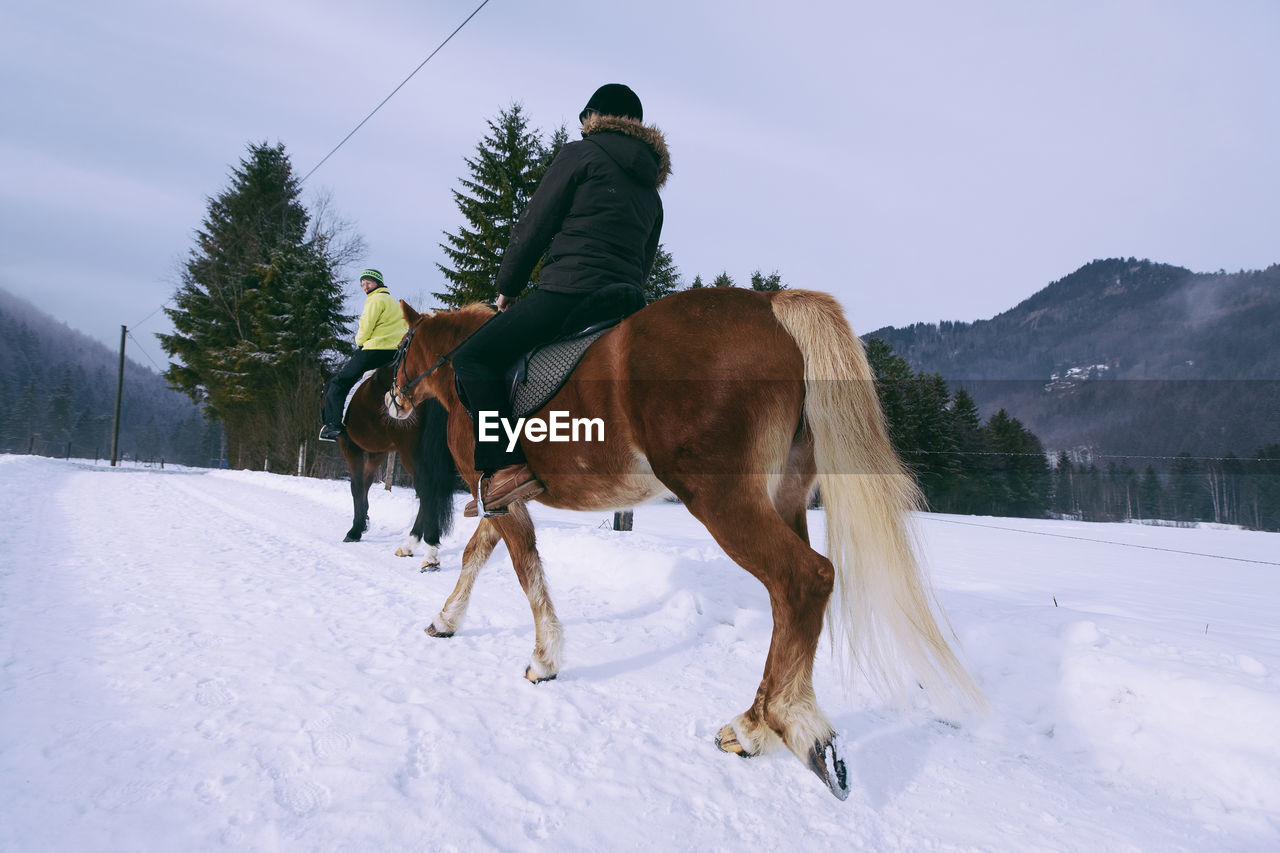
[409, 372]
[422, 357]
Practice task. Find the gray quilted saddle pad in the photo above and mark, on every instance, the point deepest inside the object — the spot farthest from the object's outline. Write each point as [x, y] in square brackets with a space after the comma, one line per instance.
[536, 377]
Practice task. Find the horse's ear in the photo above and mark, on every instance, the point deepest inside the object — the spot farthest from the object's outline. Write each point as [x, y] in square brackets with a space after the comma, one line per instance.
[410, 315]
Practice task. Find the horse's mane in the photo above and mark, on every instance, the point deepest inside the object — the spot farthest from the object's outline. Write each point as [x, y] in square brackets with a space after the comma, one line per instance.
[450, 327]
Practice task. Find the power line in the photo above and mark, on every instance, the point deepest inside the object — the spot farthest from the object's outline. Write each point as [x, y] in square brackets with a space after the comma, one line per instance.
[362, 123]
[932, 517]
[152, 314]
[138, 343]
[393, 92]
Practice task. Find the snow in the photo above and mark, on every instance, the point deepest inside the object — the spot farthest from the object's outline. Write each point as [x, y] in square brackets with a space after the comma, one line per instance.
[194, 660]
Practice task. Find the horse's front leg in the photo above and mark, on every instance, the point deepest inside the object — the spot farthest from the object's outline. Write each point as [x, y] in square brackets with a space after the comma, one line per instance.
[479, 548]
[517, 531]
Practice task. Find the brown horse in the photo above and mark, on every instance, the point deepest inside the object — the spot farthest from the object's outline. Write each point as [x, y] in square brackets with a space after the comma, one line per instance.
[735, 401]
[420, 440]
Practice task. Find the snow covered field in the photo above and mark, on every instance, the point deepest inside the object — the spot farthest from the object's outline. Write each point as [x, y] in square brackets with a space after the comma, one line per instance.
[194, 660]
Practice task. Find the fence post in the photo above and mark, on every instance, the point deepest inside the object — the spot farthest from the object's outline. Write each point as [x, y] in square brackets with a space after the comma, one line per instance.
[622, 519]
[391, 470]
[302, 456]
[115, 421]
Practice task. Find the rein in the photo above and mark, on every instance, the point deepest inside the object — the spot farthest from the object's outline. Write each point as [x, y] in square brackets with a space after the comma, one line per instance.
[402, 349]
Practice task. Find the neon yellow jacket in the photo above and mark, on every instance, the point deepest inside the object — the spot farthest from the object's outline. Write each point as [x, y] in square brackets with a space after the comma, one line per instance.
[382, 322]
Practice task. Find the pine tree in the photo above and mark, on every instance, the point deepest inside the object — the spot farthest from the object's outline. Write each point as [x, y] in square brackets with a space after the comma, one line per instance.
[25, 421]
[1064, 493]
[60, 418]
[968, 490]
[664, 278]
[1186, 489]
[503, 175]
[723, 280]
[559, 137]
[893, 375]
[1092, 505]
[772, 281]
[258, 309]
[1021, 482]
[932, 439]
[920, 427]
[697, 283]
[1150, 495]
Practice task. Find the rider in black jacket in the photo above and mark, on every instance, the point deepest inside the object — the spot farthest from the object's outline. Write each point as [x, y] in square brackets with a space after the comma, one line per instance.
[596, 218]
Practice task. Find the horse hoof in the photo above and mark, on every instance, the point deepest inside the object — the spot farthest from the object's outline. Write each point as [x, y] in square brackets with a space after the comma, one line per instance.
[401, 552]
[432, 632]
[352, 537]
[829, 767]
[727, 741]
[429, 567]
[537, 679]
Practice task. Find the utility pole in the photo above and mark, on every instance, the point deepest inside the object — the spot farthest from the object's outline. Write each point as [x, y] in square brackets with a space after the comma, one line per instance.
[115, 428]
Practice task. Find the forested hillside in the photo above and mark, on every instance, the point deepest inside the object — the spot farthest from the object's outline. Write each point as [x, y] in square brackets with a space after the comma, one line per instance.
[1123, 357]
[57, 397]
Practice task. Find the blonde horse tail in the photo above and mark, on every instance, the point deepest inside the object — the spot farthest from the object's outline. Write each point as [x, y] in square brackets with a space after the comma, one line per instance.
[882, 611]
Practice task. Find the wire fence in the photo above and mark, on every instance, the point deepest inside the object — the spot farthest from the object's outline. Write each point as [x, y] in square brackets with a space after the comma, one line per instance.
[328, 462]
[325, 461]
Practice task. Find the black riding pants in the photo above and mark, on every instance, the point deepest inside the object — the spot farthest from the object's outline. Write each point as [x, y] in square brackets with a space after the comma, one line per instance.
[340, 384]
[482, 362]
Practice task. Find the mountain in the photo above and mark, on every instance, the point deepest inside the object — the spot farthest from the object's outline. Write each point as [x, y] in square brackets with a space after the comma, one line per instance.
[58, 391]
[1123, 357]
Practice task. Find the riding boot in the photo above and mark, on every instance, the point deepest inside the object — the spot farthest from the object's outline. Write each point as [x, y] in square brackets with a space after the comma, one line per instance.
[506, 486]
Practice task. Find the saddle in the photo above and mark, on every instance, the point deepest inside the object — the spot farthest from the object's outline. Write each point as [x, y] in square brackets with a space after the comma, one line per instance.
[538, 374]
[346, 404]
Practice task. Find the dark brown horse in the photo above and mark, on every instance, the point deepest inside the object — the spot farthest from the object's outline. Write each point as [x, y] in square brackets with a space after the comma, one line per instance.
[737, 402]
[420, 441]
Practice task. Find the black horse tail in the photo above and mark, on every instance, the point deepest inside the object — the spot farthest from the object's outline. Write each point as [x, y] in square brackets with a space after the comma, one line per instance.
[435, 476]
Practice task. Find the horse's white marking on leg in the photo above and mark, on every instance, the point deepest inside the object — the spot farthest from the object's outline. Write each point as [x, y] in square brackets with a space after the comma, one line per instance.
[474, 556]
[408, 546]
[755, 737]
[449, 619]
[548, 635]
[431, 557]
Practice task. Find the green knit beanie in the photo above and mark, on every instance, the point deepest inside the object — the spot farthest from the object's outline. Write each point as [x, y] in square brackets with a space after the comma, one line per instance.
[373, 275]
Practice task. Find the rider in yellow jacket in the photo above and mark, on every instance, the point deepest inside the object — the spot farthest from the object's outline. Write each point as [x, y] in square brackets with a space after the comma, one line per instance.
[382, 325]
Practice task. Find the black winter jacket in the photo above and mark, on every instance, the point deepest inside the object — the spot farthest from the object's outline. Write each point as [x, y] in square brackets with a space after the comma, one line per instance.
[596, 214]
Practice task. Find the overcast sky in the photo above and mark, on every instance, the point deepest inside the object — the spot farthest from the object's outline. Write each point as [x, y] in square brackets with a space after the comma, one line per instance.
[920, 160]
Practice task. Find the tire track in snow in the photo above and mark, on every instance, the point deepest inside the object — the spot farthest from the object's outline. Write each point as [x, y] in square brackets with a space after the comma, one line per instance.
[182, 621]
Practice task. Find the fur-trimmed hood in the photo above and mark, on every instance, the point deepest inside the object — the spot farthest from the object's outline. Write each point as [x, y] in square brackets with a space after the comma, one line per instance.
[611, 134]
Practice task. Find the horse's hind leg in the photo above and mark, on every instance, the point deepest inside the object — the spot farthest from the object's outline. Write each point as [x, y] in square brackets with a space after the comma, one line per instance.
[477, 552]
[799, 580]
[362, 466]
[517, 531]
[434, 476]
[791, 498]
[425, 532]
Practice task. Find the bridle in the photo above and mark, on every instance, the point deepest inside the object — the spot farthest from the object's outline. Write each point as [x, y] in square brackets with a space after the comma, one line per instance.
[400, 391]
